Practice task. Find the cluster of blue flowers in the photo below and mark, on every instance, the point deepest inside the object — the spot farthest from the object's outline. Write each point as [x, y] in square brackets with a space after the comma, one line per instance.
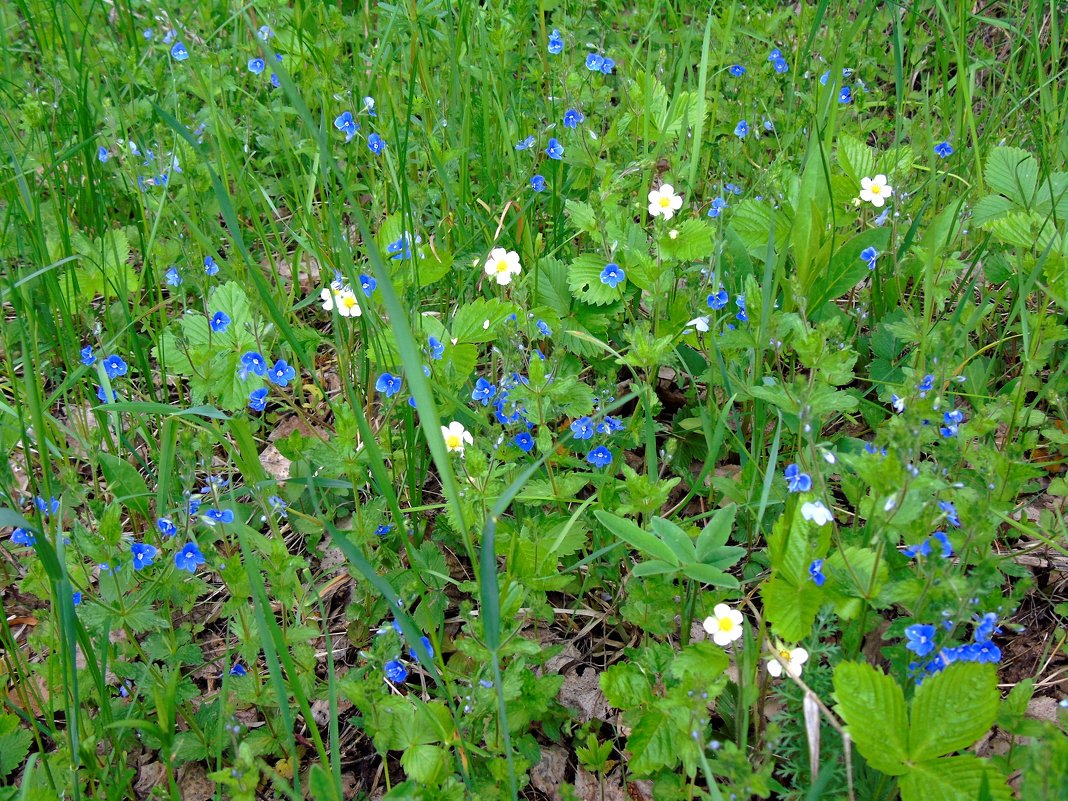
[346, 123]
[921, 640]
[395, 671]
[279, 374]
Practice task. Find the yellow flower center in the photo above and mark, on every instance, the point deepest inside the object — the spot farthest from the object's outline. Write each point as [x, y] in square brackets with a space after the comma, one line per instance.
[349, 301]
[665, 202]
[876, 189]
[784, 655]
[502, 266]
[452, 441]
[726, 624]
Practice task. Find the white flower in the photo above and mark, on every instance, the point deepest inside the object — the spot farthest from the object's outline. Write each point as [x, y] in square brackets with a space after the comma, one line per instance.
[343, 299]
[663, 202]
[725, 624]
[455, 436]
[502, 265]
[793, 660]
[816, 512]
[700, 323]
[875, 190]
[673, 233]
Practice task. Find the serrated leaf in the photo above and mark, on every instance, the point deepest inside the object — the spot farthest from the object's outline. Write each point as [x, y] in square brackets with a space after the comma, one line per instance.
[625, 685]
[582, 216]
[692, 243]
[856, 159]
[790, 608]
[425, 764]
[990, 208]
[752, 222]
[953, 709]
[584, 280]
[958, 778]
[704, 659]
[478, 320]
[654, 740]
[14, 743]
[873, 708]
[1012, 172]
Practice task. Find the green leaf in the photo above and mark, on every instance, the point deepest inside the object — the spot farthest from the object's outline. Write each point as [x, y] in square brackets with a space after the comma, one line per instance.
[856, 159]
[953, 709]
[790, 608]
[426, 764]
[703, 659]
[656, 738]
[653, 567]
[477, 321]
[625, 685]
[846, 269]
[582, 216]
[709, 574]
[125, 483]
[752, 222]
[873, 707]
[1012, 172]
[693, 241]
[716, 532]
[640, 540]
[677, 539]
[14, 743]
[958, 778]
[584, 279]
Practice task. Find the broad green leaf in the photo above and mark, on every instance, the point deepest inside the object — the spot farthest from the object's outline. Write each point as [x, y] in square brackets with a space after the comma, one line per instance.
[790, 608]
[958, 778]
[856, 159]
[846, 269]
[692, 242]
[677, 539]
[656, 737]
[477, 321]
[14, 743]
[425, 764]
[582, 216]
[752, 222]
[710, 575]
[953, 709]
[873, 708]
[716, 531]
[584, 279]
[702, 658]
[125, 483]
[631, 534]
[851, 568]
[625, 685]
[1012, 172]
[653, 567]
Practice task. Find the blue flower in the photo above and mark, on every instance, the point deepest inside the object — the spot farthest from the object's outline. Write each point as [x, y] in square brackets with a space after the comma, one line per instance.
[213, 516]
[951, 512]
[943, 150]
[717, 206]
[143, 554]
[103, 396]
[252, 362]
[825, 77]
[369, 106]
[718, 300]
[610, 425]
[537, 183]
[483, 391]
[775, 55]
[219, 321]
[845, 95]
[869, 255]
[210, 267]
[388, 384]
[367, 284]
[277, 83]
[277, 504]
[87, 357]
[383, 530]
[172, 277]
[926, 385]
[194, 506]
[376, 144]
[238, 670]
[402, 248]
[734, 189]
[607, 66]
[76, 598]
[943, 540]
[178, 52]
[573, 118]
[594, 62]
[987, 627]
[920, 549]
[437, 349]
[395, 671]
[556, 43]
[737, 70]
[425, 641]
[781, 66]
[257, 399]
[815, 572]
[347, 125]
[525, 144]
[102, 154]
[166, 527]
[189, 558]
[741, 130]
[21, 536]
[555, 150]
[543, 328]
[920, 639]
[147, 33]
[264, 33]
[582, 428]
[524, 442]
[599, 456]
[282, 373]
[796, 481]
[256, 65]
[985, 651]
[613, 275]
[114, 366]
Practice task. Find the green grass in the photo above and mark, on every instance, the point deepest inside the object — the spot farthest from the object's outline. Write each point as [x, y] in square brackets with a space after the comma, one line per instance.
[499, 556]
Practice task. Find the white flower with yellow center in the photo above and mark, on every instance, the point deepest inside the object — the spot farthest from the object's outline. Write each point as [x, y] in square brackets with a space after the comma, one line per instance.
[456, 436]
[502, 265]
[725, 624]
[875, 190]
[663, 202]
[789, 658]
[341, 298]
